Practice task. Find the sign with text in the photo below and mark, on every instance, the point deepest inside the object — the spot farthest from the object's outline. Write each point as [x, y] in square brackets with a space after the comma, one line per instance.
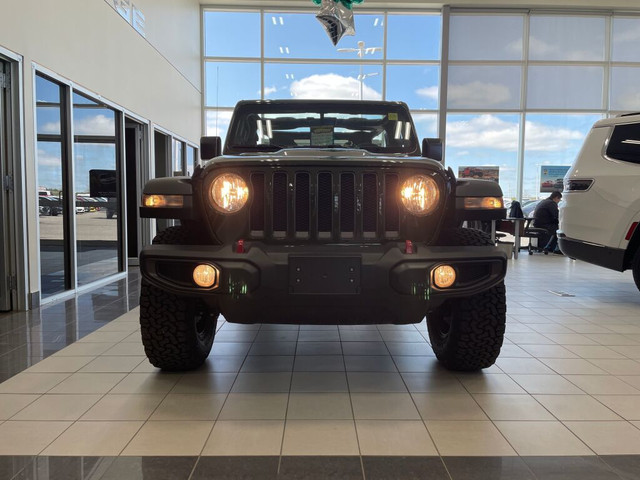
[551, 177]
[481, 172]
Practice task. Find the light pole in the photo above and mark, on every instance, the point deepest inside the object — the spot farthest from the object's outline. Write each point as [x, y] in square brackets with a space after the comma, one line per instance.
[361, 51]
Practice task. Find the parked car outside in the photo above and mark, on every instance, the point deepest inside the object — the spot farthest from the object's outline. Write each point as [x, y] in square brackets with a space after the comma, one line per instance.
[601, 211]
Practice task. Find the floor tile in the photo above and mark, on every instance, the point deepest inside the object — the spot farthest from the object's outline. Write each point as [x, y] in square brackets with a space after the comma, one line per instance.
[602, 385]
[58, 407]
[245, 437]
[126, 349]
[573, 366]
[319, 363]
[319, 406]
[94, 439]
[417, 363]
[488, 468]
[319, 348]
[158, 468]
[267, 363]
[273, 348]
[447, 406]
[28, 437]
[320, 437]
[84, 349]
[594, 351]
[435, 383]
[236, 467]
[375, 382]
[204, 383]
[512, 407]
[60, 364]
[468, 438]
[191, 406]
[11, 403]
[522, 365]
[576, 407]
[364, 348]
[618, 366]
[319, 382]
[220, 364]
[384, 406]
[255, 406]
[608, 438]
[393, 437]
[404, 468]
[124, 364]
[369, 363]
[262, 382]
[169, 438]
[569, 468]
[79, 383]
[156, 382]
[546, 384]
[32, 382]
[626, 466]
[627, 406]
[490, 383]
[542, 438]
[124, 407]
[320, 468]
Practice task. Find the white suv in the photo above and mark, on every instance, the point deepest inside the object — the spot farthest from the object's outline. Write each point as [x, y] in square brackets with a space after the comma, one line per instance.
[599, 219]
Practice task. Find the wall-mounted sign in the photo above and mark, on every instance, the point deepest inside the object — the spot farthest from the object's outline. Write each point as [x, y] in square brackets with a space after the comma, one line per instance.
[132, 14]
[481, 172]
[551, 177]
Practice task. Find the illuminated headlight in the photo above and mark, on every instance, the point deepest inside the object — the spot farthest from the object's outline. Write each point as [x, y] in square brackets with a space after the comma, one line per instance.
[229, 193]
[419, 194]
[488, 203]
[163, 201]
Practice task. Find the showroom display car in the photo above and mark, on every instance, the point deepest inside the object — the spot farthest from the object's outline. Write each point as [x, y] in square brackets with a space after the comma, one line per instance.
[322, 212]
[601, 210]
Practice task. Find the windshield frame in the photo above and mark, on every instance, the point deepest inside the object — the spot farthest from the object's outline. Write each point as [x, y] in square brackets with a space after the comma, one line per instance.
[245, 109]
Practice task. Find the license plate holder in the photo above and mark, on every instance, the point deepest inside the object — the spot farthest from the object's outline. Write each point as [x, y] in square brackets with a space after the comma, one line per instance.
[324, 275]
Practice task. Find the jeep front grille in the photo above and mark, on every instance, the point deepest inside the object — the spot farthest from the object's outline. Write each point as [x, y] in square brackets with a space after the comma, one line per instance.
[324, 206]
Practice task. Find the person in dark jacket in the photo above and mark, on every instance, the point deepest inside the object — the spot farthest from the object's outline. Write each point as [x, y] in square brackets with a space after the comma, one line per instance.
[546, 216]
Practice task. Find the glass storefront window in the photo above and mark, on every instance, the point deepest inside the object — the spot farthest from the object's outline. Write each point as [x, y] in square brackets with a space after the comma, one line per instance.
[557, 37]
[484, 87]
[231, 34]
[565, 87]
[416, 85]
[413, 37]
[97, 203]
[625, 95]
[228, 82]
[486, 37]
[625, 39]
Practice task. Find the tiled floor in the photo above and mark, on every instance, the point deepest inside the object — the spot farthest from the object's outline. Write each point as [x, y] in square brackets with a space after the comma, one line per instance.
[562, 401]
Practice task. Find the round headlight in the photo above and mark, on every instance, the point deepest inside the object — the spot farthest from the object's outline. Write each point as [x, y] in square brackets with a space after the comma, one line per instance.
[419, 194]
[229, 193]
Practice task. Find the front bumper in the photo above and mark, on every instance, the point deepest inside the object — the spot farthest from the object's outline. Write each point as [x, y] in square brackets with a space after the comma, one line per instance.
[326, 284]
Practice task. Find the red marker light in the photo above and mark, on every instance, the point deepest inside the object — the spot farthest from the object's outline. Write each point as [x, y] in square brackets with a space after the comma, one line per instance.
[408, 247]
[240, 246]
[632, 229]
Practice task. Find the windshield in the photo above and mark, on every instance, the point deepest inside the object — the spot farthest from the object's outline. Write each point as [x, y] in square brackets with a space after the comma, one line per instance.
[376, 127]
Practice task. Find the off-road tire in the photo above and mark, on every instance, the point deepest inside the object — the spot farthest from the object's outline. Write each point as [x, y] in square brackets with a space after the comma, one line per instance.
[177, 331]
[467, 333]
[635, 266]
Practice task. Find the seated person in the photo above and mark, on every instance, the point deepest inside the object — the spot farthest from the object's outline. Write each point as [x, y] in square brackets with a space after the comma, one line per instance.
[546, 216]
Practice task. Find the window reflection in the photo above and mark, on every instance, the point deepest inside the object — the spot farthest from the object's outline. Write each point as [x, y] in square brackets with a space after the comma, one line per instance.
[54, 272]
[97, 193]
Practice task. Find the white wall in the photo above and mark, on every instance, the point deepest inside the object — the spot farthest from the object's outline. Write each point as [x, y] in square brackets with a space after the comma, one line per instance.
[88, 43]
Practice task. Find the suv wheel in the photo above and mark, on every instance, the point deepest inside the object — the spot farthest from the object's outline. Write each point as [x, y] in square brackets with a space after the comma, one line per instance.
[177, 331]
[467, 333]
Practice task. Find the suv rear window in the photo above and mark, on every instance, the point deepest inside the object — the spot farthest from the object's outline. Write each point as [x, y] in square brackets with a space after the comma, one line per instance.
[625, 143]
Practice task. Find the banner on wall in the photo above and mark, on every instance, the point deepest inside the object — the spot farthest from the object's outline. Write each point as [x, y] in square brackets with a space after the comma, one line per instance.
[481, 172]
[551, 177]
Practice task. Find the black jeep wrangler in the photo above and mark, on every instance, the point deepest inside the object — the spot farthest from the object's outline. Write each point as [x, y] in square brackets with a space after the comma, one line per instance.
[322, 212]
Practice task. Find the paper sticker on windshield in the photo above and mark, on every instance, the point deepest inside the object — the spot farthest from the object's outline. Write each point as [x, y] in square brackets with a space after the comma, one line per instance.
[393, 116]
[321, 136]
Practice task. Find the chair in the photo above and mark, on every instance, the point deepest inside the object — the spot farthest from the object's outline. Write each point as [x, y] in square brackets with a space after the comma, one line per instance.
[531, 233]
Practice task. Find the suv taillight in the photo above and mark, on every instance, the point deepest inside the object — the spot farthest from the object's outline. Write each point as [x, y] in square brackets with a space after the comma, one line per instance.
[577, 185]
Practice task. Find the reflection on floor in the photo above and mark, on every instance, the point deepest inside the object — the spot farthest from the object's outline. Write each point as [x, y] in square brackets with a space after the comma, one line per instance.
[562, 401]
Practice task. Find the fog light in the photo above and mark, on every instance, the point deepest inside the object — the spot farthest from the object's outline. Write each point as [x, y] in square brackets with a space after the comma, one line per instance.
[444, 276]
[205, 276]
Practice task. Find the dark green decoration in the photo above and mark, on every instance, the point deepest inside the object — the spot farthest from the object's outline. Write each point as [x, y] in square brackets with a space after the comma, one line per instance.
[347, 3]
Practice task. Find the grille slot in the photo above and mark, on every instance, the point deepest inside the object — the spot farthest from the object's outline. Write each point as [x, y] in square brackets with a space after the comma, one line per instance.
[324, 206]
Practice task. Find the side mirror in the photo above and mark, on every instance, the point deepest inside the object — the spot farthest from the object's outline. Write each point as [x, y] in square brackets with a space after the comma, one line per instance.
[210, 147]
[432, 148]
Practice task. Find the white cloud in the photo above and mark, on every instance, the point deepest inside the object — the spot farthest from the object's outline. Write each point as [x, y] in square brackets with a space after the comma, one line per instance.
[51, 127]
[268, 91]
[628, 100]
[540, 49]
[478, 95]
[96, 125]
[218, 123]
[332, 86]
[489, 131]
[428, 92]
[47, 160]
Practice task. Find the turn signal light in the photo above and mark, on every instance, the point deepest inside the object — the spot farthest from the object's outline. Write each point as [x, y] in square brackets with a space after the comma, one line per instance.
[206, 276]
[444, 276]
[163, 201]
[483, 202]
